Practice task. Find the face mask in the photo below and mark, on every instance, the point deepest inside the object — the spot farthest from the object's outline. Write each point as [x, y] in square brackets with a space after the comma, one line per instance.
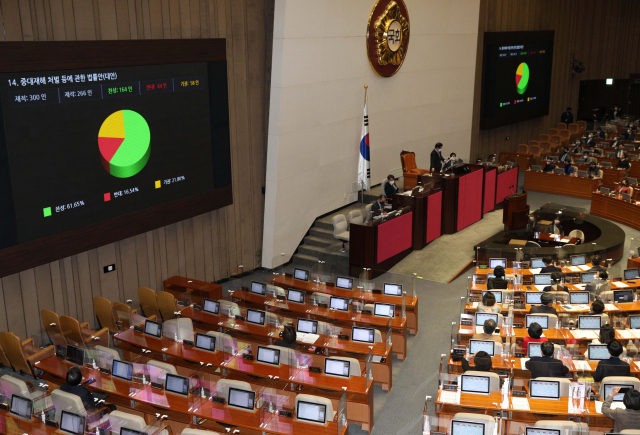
[556, 222]
[391, 182]
[532, 218]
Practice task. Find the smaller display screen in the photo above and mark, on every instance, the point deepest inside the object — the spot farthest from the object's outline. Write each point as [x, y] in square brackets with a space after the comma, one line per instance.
[21, 407]
[478, 345]
[618, 397]
[537, 263]
[301, 274]
[538, 431]
[534, 349]
[384, 310]
[296, 296]
[631, 274]
[533, 298]
[466, 428]
[177, 384]
[125, 431]
[542, 279]
[256, 317]
[314, 412]
[258, 288]
[483, 317]
[621, 296]
[497, 294]
[72, 423]
[363, 335]
[308, 326]
[587, 277]
[578, 260]
[122, 370]
[337, 367]
[634, 322]
[75, 355]
[211, 306]
[475, 384]
[345, 283]
[205, 342]
[341, 304]
[543, 321]
[153, 329]
[242, 398]
[495, 262]
[598, 352]
[544, 389]
[578, 297]
[589, 322]
[392, 289]
[268, 355]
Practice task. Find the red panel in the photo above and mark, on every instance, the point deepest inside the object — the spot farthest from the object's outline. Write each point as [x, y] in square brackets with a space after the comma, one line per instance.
[469, 199]
[394, 237]
[505, 180]
[489, 191]
[434, 216]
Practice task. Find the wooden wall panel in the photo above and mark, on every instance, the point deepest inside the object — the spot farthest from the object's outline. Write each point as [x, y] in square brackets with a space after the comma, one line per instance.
[207, 247]
[603, 35]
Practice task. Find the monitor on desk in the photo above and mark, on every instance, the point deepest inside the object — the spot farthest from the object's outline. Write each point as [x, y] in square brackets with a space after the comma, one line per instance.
[340, 304]
[496, 293]
[630, 274]
[466, 428]
[605, 165]
[475, 384]
[583, 174]
[559, 171]
[544, 389]
[542, 279]
[579, 297]
[75, 355]
[122, 370]
[634, 321]
[258, 288]
[589, 322]
[597, 352]
[604, 190]
[537, 263]
[344, 283]
[488, 346]
[296, 296]
[301, 274]
[384, 310]
[312, 412]
[483, 317]
[533, 298]
[205, 342]
[587, 277]
[256, 317]
[392, 289]
[363, 335]
[308, 326]
[337, 367]
[543, 321]
[541, 431]
[578, 260]
[622, 296]
[211, 306]
[495, 262]
[625, 196]
[177, 384]
[617, 397]
[242, 399]
[21, 407]
[153, 329]
[72, 423]
[534, 349]
[268, 355]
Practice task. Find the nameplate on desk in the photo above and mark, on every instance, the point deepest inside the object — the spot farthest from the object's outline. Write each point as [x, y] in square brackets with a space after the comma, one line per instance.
[281, 298]
[519, 393]
[105, 371]
[466, 322]
[137, 328]
[197, 307]
[182, 304]
[343, 337]
[593, 397]
[519, 355]
[480, 281]
[438, 433]
[367, 312]
[240, 318]
[503, 373]
[4, 406]
[51, 423]
[288, 413]
[450, 387]
[459, 351]
[474, 300]
[247, 356]
[578, 357]
[288, 275]
[329, 284]
[519, 305]
[157, 385]
[188, 343]
[376, 291]
[219, 400]
[315, 369]
[245, 288]
[322, 305]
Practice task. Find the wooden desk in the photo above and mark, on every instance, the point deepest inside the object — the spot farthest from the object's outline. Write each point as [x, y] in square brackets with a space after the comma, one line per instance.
[524, 160]
[427, 215]
[411, 302]
[633, 263]
[578, 187]
[10, 425]
[197, 290]
[615, 209]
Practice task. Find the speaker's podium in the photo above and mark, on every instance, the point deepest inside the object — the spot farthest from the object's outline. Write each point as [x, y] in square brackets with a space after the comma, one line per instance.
[515, 212]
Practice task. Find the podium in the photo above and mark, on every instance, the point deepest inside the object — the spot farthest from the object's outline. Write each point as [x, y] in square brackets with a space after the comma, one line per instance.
[515, 212]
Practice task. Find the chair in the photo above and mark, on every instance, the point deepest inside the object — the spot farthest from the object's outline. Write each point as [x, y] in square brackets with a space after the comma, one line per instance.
[354, 365]
[557, 296]
[565, 384]
[564, 425]
[148, 302]
[166, 305]
[531, 244]
[322, 298]
[330, 413]
[287, 355]
[51, 323]
[228, 307]
[21, 355]
[494, 381]
[275, 290]
[574, 129]
[552, 319]
[534, 149]
[340, 229]
[555, 140]
[618, 380]
[104, 313]
[523, 149]
[577, 234]
[410, 170]
[119, 419]
[63, 401]
[223, 385]
[562, 126]
[545, 148]
[565, 136]
[367, 212]
[123, 315]
[533, 142]
[355, 217]
[169, 368]
[224, 342]
[80, 334]
[632, 181]
[4, 361]
[582, 126]
[553, 131]
[20, 387]
[543, 138]
[488, 421]
[182, 328]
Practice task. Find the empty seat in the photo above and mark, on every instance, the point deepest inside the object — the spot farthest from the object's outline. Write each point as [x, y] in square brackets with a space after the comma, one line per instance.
[565, 135]
[553, 131]
[572, 427]
[119, 419]
[545, 147]
[555, 140]
[534, 149]
[562, 126]
[582, 126]
[410, 170]
[51, 323]
[169, 368]
[488, 421]
[63, 401]
[340, 229]
[523, 148]
[577, 234]
[166, 305]
[223, 385]
[21, 355]
[533, 142]
[543, 138]
[354, 365]
[287, 355]
[148, 302]
[322, 298]
[104, 312]
[565, 384]
[494, 381]
[18, 386]
[229, 308]
[574, 129]
[107, 350]
[80, 334]
[330, 413]
[224, 342]
[182, 328]
[355, 217]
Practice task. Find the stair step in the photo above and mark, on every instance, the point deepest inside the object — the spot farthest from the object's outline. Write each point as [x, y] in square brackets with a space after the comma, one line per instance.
[326, 224]
[322, 233]
[317, 241]
[305, 260]
[316, 251]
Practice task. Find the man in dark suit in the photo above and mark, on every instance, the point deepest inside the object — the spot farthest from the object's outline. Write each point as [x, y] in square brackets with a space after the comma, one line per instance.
[567, 117]
[390, 188]
[378, 206]
[555, 227]
[436, 158]
[619, 148]
[546, 299]
[548, 266]
[616, 112]
[556, 286]
[613, 366]
[73, 386]
[629, 135]
[597, 266]
[633, 127]
[546, 365]
[453, 159]
[565, 155]
[623, 163]
[599, 134]
[591, 141]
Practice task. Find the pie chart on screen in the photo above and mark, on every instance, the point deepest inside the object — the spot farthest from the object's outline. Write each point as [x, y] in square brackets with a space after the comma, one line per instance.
[124, 141]
[522, 78]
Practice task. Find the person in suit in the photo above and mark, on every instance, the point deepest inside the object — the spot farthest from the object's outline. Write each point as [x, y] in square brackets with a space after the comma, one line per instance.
[436, 158]
[599, 286]
[623, 164]
[629, 135]
[488, 304]
[567, 116]
[628, 418]
[587, 158]
[613, 366]
[593, 171]
[481, 360]
[555, 227]
[390, 188]
[288, 338]
[549, 166]
[633, 127]
[489, 327]
[451, 162]
[498, 282]
[548, 266]
[546, 365]
[596, 264]
[564, 156]
[569, 169]
[378, 206]
[599, 134]
[73, 386]
[591, 141]
[577, 148]
[619, 149]
[556, 286]
[531, 223]
[597, 308]
[535, 336]
[616, 112]
[547, 300]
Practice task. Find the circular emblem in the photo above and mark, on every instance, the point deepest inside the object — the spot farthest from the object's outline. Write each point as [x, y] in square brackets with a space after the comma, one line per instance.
[387, 36]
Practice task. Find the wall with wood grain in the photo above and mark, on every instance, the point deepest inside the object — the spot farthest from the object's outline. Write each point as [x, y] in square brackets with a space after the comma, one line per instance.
[605, 35]
[208, 247]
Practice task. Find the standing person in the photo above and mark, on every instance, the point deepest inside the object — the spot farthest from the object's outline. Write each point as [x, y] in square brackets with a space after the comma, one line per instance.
[616, 112]
[567, 117]
[436, 158]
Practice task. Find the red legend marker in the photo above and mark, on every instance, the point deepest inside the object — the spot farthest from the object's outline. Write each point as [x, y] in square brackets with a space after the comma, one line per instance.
[107, 197]
[515, 101]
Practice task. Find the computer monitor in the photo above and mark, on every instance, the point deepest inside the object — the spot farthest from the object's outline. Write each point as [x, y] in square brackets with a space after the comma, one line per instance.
[75, 355]
[495, 262]
[301, 274]
[542, 279]
[345, 283]
[483, 317]
[125, 431]
[21, 407]
[211, 306]
[541, 431]
[534, 349]
[496, 293]
[153, 329]
[122, 370]
[537, 263]
[622, 296]
[634, 321]
[618, 397]
[583, 174]
[308, 326]
[177, 384]
[579, 297]
[340, 304]
[559, 171]
[625, 196]
[205, 342]
[72, 423]
[268, 355]
[242, 399]
[258, 288]
[337, 367]
[587, 277]
[466, 428]
[363, 335]
[475, 384]
[392, 289]
[605, 190]
[544, 389]
[256, 317]
[543, 321]
[488, 346]
[578, 260]
[313, 412]
[597, 352]
[533, 298]
[296, 296]
[384, 310]
[589, 322]
[631, 274]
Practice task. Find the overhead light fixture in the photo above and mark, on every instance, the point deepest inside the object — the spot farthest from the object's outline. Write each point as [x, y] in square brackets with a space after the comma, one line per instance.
[609, 81]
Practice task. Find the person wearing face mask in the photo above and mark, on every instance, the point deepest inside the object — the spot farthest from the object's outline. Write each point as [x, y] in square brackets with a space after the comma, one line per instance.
[577, 147]
[629, 135]
[390, 188]
[587, 158]
[565, 155]
[555, 227]
[616, 112]
[617, 144]
[549, 166]
[623, 187]
[623, 163]
[591, 141]
[378, 206]
[619, 149]
[436, 158]
[633, 128]
[531, 223]
[593, 171]
[568, 168]
[599, 134]
[451, 162]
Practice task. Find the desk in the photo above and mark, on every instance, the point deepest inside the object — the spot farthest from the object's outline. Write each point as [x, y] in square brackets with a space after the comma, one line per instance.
[10, 425]
[615, 209]
[196, 290]
[427, 215]
[523, 160]
[578, 187]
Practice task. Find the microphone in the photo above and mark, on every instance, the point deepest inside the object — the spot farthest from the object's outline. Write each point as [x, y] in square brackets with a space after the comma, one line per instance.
[511, 188]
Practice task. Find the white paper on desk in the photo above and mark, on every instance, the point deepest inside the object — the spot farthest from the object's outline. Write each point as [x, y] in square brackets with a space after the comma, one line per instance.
[584, 267]
[626, 334]
[581, 365]
[521, 403]
[610, 307]
[565, 239]
[307, 337]
[376, 358]
[523, 362]
[620, 284]
[540, 287]
[599, 406]
[574, 268]
[638, 365]
[474, 304]
[581, 286]
[583, 333]
[536, 271]
[448, 396]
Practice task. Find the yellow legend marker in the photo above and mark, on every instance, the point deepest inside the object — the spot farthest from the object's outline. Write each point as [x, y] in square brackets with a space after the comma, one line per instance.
[157, 184]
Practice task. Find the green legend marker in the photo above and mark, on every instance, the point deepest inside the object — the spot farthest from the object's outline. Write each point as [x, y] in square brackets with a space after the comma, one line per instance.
[46, 211]
[522, 78]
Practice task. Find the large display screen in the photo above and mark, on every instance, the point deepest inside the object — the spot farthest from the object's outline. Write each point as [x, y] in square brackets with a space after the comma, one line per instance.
[516, 78]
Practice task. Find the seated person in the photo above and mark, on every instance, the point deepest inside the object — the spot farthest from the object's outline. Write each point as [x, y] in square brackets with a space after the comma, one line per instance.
[451, 162]
[599, 134]
[545, 308]
[556, 279]
[607, 335]
[555, 227]
[596, 264]
[593, 171]
[619, 149]
[597, 308]
[613, 366]
[390, 188]
[498, 282]
[600, 285]
[288, 338]
[548, 265]
[628, 418]
[590, 141]
[73, 386]
[532, 225]
[587, 158]
[623, 164]
[565, 155]
[488, 304]
[629, 135]
[623, 187]
[535, 336]
[489, 327]
[633, 127]
[577, 147]
[569, 169]
[549, 166]
[546, 365]
[481, 359]
[378, 206]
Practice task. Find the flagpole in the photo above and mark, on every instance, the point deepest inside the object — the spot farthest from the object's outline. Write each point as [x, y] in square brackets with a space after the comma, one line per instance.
[366, 88]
